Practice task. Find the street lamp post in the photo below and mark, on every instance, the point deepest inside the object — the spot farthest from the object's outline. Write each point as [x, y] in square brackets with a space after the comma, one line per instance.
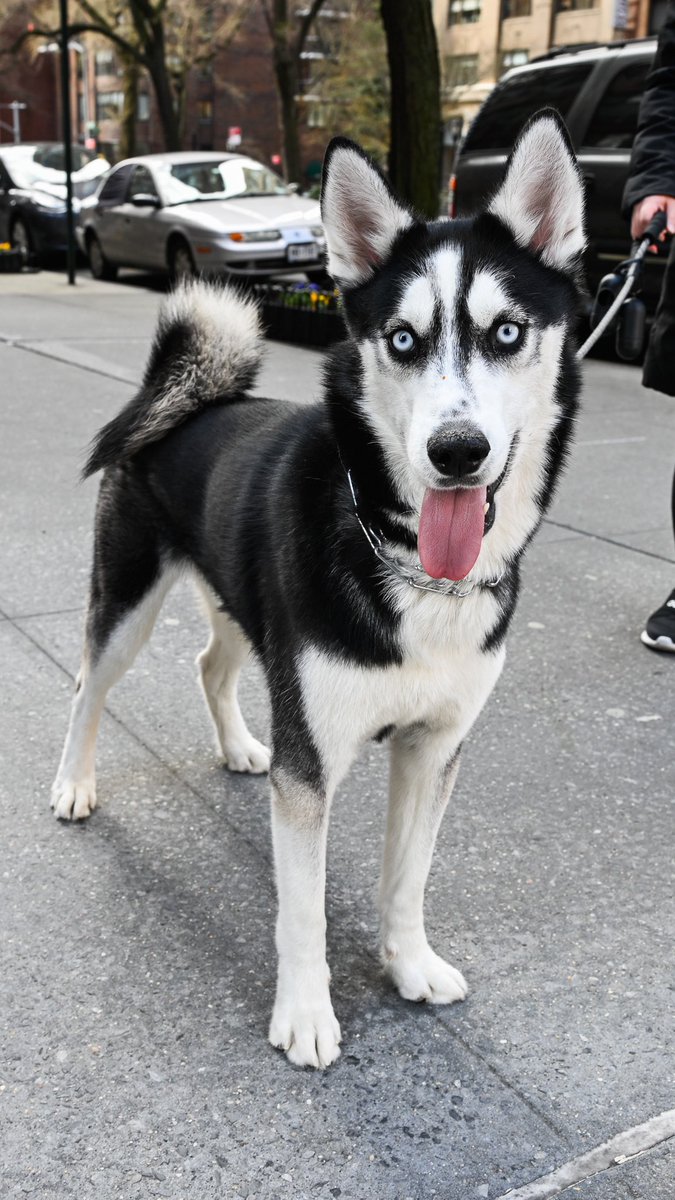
[67, 138]
[63, 46]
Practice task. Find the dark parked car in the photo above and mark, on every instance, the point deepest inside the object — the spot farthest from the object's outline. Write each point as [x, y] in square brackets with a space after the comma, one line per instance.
[33, 193]
[597, 90]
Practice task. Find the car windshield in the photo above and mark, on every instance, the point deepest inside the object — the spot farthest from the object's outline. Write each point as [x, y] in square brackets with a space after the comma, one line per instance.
[42, 167]
[208, 179]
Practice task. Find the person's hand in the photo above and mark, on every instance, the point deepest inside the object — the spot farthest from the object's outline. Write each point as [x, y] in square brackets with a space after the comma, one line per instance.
[645, 210]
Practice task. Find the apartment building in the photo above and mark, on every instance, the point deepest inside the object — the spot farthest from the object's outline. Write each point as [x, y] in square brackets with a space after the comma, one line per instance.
[481, 39]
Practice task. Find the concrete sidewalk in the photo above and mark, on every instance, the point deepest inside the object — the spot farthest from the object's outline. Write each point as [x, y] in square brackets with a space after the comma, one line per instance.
[137, 967]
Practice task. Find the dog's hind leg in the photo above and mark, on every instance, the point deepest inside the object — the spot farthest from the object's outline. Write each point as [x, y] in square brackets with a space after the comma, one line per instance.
[424, 766]
[219, 667]
[104, 662]
[129, 583]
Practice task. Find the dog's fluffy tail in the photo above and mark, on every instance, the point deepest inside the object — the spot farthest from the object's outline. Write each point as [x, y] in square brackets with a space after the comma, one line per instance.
[206, 351]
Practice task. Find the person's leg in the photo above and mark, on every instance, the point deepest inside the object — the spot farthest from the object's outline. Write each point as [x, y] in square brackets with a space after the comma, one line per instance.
[659, 631]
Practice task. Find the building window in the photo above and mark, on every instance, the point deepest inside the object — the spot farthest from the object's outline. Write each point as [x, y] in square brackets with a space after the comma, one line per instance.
[513, 58]
[205, 111]
[461, 70]
[463, 12]
[316, 114]
[574, 5]
[106, 63]
[516, 8]
[143, 107]
[109, 106]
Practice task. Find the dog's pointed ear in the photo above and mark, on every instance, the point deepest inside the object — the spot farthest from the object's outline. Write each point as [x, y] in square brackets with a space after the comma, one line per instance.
[361, 216]
[541, 199]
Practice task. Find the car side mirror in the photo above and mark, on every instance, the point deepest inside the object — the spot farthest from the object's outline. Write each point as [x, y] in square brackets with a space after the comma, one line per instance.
[145, 200]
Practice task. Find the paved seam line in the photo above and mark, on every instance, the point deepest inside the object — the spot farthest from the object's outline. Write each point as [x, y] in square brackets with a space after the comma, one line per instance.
[66, 362]
[503, 1079]
[31, 616]
[599, 537]
[620, 1149]
[622, 441]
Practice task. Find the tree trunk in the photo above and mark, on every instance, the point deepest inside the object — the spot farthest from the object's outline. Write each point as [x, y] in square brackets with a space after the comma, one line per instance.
[130, 73]
[167, 108]
[287, 83]
[415, 145]
[289, 33]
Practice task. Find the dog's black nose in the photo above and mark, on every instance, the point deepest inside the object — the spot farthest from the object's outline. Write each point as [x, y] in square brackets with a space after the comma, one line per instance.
[458, 454]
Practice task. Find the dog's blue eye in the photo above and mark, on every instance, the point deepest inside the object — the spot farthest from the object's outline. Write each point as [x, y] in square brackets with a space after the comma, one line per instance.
[509, 333]
[402, 341]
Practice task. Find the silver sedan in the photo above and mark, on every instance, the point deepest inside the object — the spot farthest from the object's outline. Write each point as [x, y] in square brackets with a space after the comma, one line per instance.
[217, 214]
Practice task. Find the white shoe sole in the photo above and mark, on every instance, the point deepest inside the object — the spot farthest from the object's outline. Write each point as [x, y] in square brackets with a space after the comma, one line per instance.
[659, 643]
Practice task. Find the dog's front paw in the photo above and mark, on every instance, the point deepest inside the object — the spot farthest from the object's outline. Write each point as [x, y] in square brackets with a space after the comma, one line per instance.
[73, 800]
[303, 1022]
[311, 1038]
[422, 975]
[247, 755]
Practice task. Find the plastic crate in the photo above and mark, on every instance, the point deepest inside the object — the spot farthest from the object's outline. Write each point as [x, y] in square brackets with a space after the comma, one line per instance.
[301, 313]
[10, 260]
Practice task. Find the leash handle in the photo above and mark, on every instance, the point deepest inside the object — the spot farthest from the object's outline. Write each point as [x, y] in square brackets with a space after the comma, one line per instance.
[655, 228]
[632, 266]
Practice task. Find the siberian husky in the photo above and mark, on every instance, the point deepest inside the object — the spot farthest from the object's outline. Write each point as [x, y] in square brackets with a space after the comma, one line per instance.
[367, 548]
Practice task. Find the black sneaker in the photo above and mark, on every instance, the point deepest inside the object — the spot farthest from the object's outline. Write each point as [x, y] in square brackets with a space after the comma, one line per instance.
[659, 633]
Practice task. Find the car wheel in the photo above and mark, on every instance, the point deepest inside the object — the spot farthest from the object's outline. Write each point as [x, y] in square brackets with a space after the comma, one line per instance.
[20, 239]
[181, 263]
[101, 268]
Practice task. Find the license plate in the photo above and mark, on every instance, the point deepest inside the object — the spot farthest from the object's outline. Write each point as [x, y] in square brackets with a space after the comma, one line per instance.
[305, 252]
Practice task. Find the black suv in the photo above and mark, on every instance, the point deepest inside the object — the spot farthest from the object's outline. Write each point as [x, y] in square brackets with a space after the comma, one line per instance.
[597, 90]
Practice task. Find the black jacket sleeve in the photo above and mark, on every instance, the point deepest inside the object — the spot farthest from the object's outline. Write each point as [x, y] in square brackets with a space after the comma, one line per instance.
[652, 167]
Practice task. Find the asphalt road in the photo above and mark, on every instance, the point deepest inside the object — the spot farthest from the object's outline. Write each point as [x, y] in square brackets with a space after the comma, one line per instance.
[137, 959]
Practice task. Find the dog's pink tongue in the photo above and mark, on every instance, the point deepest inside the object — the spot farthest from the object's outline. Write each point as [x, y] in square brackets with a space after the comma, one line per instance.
[451, 531]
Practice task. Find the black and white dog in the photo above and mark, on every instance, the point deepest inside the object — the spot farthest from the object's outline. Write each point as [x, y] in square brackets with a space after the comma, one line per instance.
[443, 428]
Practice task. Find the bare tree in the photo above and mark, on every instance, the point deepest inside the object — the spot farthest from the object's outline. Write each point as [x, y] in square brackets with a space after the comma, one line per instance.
[288, 33]
[415, 141]
[351, 80]
[166, 38]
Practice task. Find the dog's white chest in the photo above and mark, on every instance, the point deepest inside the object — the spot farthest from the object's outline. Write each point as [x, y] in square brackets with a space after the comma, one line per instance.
[443, 682]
